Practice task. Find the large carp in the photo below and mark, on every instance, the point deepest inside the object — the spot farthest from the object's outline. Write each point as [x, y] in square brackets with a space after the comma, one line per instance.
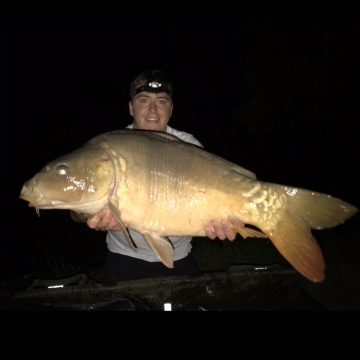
[166, 187]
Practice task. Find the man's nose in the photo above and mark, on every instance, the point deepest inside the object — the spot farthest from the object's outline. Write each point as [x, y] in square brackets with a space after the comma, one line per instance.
[152, 106]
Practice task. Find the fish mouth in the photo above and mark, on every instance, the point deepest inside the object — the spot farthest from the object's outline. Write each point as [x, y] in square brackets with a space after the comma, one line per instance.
[32, 195]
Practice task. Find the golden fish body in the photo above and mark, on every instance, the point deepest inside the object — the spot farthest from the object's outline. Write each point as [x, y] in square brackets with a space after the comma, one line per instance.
[166, 187]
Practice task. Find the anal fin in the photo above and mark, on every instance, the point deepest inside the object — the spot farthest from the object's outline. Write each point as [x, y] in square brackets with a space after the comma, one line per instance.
[246, 232]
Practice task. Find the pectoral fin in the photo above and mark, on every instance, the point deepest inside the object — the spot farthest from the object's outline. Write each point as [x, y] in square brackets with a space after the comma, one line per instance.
[162, 247]
[114, 209]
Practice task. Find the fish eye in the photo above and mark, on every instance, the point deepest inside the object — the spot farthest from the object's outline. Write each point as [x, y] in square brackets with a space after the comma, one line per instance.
[62, 169]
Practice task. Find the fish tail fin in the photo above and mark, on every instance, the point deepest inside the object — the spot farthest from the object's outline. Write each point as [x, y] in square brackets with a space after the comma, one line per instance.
[291, 233]
[293, 238]
[319, 210]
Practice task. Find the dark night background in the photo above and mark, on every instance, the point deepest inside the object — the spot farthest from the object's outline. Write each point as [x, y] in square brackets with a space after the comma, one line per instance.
[279, 96]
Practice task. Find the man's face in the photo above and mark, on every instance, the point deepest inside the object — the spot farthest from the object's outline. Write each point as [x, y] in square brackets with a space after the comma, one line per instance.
[151, 111]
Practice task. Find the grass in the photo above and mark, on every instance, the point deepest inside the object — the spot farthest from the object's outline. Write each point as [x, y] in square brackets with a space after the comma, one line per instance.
[54, 266]
[58, 265]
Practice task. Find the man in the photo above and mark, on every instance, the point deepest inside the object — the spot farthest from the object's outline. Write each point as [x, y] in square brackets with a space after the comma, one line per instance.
[151, 107]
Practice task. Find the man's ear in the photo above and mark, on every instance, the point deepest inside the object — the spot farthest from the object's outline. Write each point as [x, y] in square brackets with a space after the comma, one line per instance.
[131, 108]
[171, 110]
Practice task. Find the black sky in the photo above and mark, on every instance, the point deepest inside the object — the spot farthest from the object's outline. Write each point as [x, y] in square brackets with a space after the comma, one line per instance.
[278, 96]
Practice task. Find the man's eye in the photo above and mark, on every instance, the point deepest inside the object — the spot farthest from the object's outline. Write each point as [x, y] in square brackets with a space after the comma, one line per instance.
[162, 102]
[143, 100]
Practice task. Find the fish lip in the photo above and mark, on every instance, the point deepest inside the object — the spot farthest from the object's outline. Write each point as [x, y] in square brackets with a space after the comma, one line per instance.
[26, 198]
[32, 194]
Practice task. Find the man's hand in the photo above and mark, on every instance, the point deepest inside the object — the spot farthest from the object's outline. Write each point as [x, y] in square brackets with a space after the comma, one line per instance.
[223, 230]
